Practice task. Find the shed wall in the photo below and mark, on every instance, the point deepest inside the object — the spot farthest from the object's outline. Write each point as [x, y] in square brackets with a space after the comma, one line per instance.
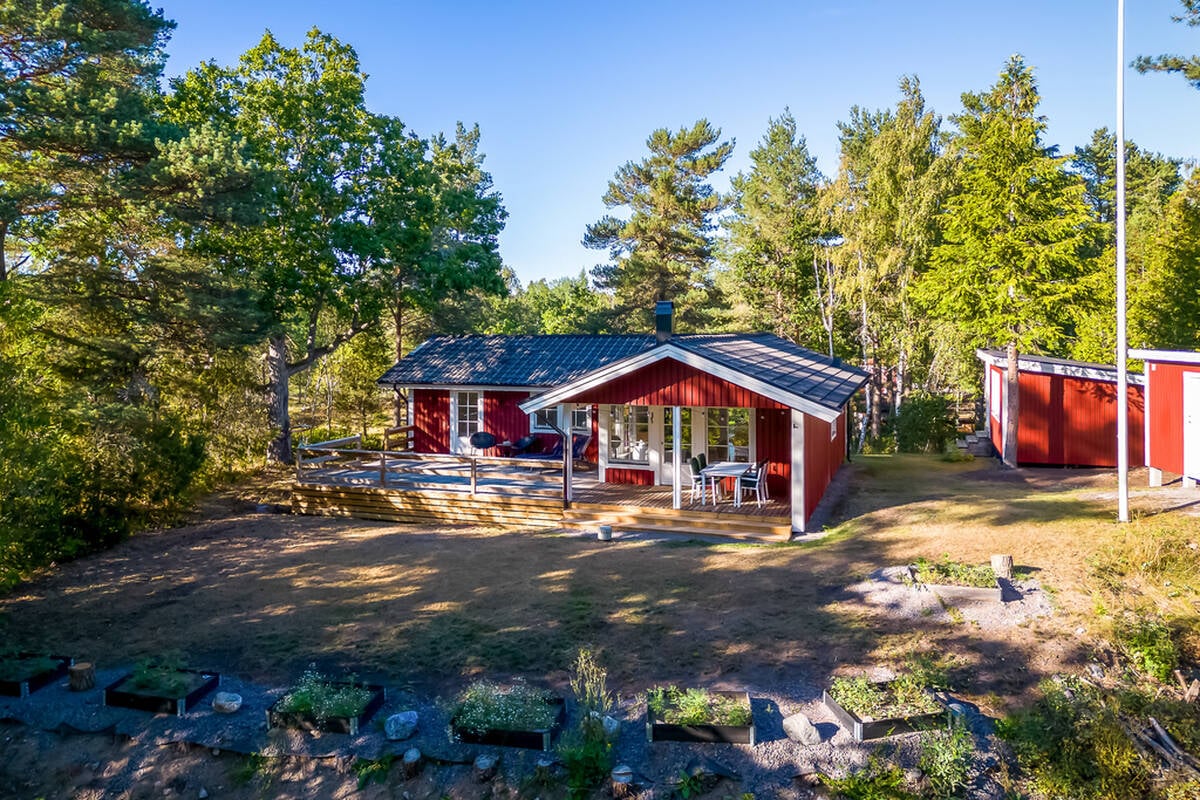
[773, 440]
[823, 457]
[1165, 425]
[672, 383]
[431, 417]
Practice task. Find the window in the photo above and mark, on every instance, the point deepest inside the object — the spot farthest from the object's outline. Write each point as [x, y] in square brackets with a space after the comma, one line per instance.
[728, 434]
[833, 429]
[995, 395]
[543, 421]
[629, 435]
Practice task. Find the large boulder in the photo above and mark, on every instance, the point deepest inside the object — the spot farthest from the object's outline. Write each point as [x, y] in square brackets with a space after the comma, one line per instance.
[399, 727]
[799, 729]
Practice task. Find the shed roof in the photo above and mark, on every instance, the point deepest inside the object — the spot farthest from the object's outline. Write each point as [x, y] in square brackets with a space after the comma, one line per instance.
[1059, 366]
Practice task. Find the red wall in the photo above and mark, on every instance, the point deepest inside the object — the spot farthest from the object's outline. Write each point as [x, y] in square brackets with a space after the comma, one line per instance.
[1166, 414]
[823, 457]
[671, 383]
[773, 442]
[1069, 421]
[502, 418]
[431, 416]
[635, 477]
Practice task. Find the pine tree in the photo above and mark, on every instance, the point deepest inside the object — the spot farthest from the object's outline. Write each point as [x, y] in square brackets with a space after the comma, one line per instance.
[664, 250]
[775, 232]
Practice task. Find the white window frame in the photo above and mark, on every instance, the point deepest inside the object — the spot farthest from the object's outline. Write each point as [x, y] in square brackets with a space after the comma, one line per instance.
[751, 433]
[996, 395]
[539, 427]
[455, 446]
[833, 429]
[648, 463]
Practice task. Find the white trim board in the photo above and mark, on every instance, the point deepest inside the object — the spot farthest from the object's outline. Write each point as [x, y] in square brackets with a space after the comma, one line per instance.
[617, 369]
[1166, 356]
[1091, 372]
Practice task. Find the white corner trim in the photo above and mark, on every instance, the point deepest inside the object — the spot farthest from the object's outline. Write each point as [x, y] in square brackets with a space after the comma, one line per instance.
[668, 350]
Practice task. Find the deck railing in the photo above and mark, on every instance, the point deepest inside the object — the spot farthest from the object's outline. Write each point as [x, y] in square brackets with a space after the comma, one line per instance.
[400, 438]
[329, 462]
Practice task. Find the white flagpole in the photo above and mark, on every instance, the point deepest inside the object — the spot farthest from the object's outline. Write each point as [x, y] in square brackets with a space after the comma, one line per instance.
[1122, 374]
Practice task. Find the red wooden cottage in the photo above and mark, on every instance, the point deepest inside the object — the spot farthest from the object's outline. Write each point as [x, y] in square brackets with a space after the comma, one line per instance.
[1172, 441]
[1068, 410]
[639, 407]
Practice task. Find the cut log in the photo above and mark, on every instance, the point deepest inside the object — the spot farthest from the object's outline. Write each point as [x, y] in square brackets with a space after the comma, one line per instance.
[411, 763]
[82, 676]
[622, 782]
[1003, 566]
[485, 768]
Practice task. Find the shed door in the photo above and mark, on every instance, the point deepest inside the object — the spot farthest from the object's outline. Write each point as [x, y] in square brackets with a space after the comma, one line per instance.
[466, 414]
[1191, 424]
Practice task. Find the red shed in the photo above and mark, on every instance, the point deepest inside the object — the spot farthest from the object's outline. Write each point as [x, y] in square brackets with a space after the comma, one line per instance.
[1068, 410]
[1172, 413]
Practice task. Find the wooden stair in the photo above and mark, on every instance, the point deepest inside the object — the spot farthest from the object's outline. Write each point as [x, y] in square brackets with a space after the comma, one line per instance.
[668, 520]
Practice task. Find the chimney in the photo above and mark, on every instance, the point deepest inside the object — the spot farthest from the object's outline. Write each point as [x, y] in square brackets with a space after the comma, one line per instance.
[664, 319]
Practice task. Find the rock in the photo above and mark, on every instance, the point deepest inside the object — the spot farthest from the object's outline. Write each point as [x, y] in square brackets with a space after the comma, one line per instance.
[485, 767]
[1096, 670]
[226, 702]
[399, 727]
[957, 709]
[611, 726]
[914, 776]
[203, 795]
[799, 728]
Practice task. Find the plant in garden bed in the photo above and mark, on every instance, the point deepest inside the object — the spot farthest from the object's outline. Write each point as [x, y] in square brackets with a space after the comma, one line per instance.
[162, 676]
[902, 697]
[585, 750]
[324, 699]
[17, 667]
[690, 707]
[486, 706]
[955, 573]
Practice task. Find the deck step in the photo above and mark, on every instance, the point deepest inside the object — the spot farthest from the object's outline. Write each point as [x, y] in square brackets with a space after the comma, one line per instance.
[731, 535]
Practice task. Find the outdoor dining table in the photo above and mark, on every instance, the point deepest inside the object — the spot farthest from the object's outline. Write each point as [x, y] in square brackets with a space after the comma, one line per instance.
[719, 471]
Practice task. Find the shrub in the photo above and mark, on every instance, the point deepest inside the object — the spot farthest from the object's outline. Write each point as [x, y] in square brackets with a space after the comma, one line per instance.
[946, 760]
[879, 780]
[1149, 644]
[585, 750]
[924, 423]
[324, 699]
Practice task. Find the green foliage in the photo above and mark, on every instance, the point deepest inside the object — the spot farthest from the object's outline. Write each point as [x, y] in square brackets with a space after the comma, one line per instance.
[879, 780]
[676, 706]
[946, 760]
[1187, 66]
[663, 251]
[690, 784]
[373, 770]
[585, 750]
[955, 573]
[485, 706]
[161, 675]
[906, 694]
[14, 667]
[324, 698]
[589, 682]
[925, 423]
[1074, 746]
[1150, 644]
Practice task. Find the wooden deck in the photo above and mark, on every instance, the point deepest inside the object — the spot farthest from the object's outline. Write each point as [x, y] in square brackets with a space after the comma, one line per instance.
[406, 487]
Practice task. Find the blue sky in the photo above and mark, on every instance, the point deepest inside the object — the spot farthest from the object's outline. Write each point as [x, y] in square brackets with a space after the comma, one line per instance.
[566, 92]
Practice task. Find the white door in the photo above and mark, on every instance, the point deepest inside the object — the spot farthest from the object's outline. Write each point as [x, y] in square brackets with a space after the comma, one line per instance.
[466, 415]
[1191, 424]
[668, 463]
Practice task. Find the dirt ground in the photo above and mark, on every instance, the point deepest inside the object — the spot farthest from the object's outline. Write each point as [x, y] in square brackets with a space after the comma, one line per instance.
[263, 595]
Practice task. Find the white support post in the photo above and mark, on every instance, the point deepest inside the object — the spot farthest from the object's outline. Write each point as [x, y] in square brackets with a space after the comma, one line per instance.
[1122, 377]
[797, 437]
[677, 457]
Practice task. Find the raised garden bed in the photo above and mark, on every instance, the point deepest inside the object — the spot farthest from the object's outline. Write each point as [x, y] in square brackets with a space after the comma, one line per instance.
[25, 673]
[508, 716]
[535, 739]
[890, 718]
[369, 698]
[698, 715]
[189, 687]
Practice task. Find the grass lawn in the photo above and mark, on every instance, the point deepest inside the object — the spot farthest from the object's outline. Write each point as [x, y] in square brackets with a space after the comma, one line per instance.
[264, 595]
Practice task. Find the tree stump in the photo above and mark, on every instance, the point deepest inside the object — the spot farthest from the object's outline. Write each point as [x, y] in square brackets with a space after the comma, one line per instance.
[543, 772]
[411, 763]
[82, 676]
[1003, 567]
[485, 768]
[622, 782]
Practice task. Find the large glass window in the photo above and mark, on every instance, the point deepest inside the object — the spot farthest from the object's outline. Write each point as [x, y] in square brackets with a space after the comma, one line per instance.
[545, 419]
[629, 435]
[685, 433]
[728, 434]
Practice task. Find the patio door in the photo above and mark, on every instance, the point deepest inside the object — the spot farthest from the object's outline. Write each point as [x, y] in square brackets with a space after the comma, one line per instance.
[466, 419]
[668, 438]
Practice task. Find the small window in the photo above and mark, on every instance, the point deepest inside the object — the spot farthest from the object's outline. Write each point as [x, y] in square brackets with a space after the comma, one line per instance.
[543, 421]
[833, 429]
[995, 395]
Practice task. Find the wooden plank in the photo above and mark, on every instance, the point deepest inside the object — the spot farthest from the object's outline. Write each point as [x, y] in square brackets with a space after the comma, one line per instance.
[459, 497]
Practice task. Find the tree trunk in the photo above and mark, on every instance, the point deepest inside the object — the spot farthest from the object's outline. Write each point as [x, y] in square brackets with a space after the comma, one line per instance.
[1011, 406]
[3, 244]
[279, 449]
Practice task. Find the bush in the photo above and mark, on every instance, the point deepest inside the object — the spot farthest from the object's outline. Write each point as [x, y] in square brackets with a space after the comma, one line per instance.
[924, 424]
[946, 760]
[1149, 644]
[1073, 745]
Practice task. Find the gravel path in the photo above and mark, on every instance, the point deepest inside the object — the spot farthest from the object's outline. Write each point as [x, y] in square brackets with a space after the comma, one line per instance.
[772, 765]
[890, 590]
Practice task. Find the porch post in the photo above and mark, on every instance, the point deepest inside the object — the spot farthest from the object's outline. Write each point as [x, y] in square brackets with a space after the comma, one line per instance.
[798, 509]
[676, 458]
